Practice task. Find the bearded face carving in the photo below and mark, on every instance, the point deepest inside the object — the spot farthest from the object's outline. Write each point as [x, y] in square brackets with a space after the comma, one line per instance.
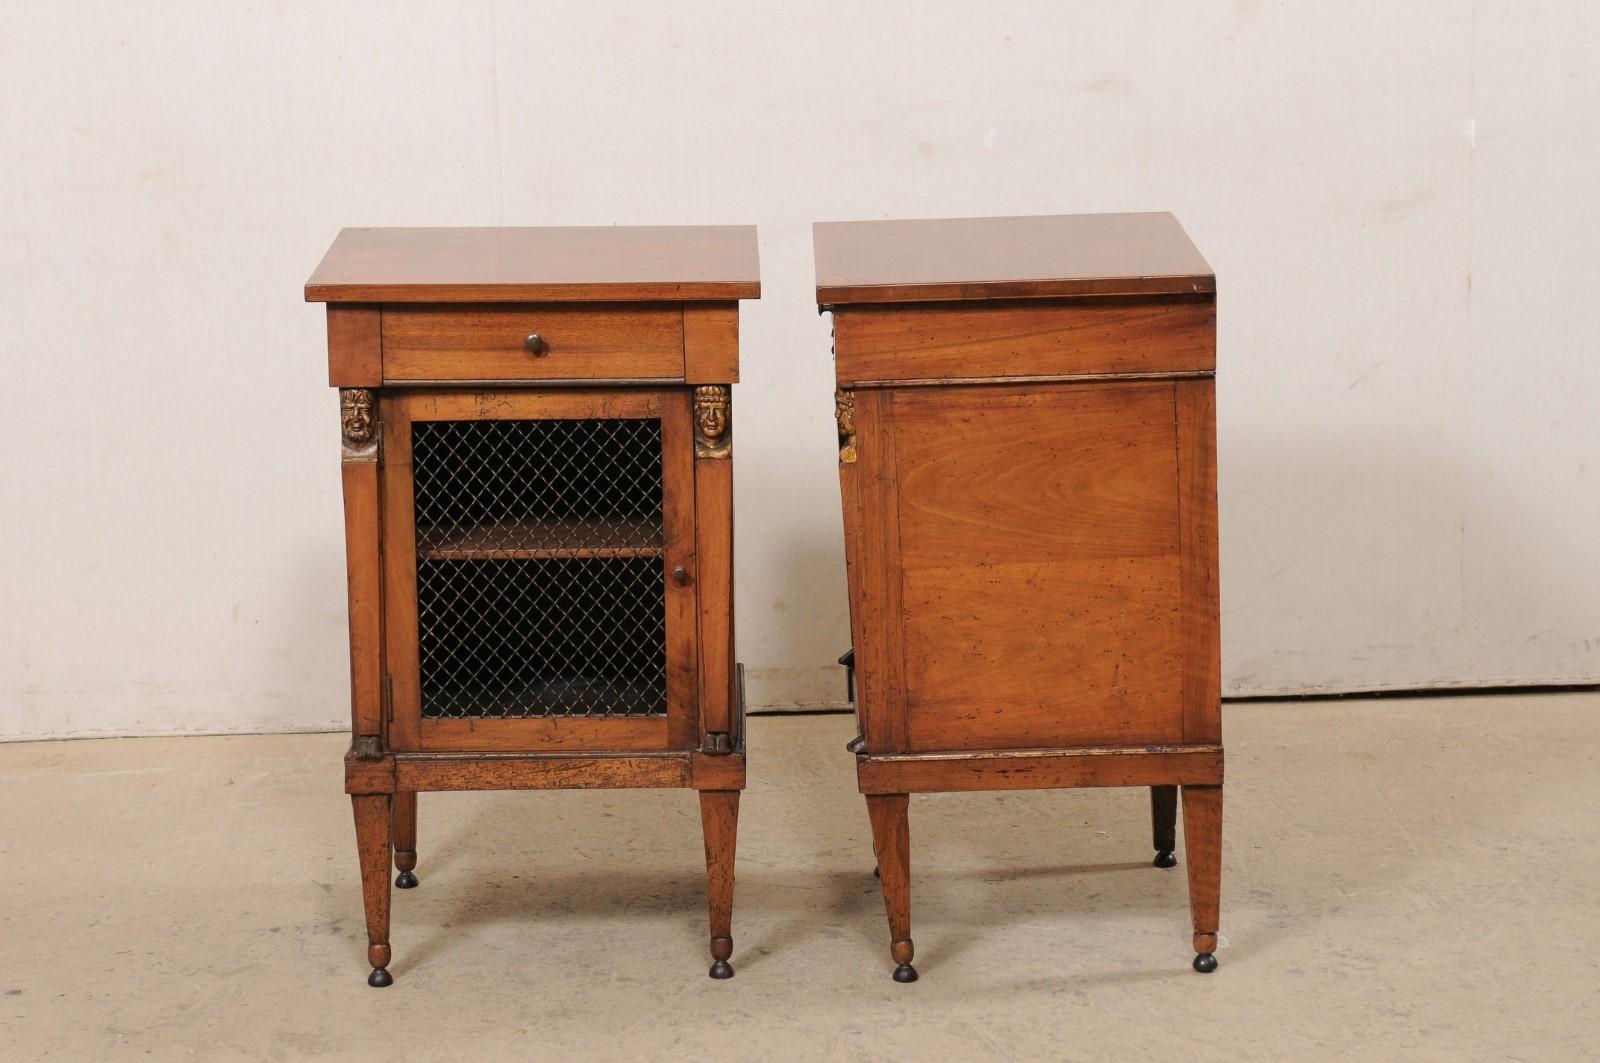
[711, 421]
[358, 423]
[844, 411]
[355, 415]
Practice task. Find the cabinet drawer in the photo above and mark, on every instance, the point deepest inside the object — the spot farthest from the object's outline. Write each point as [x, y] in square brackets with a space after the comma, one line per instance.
[1022, 338]
[596, 341]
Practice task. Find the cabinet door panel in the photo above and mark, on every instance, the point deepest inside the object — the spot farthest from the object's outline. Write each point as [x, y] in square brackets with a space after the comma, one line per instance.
[1041, 586]
[530, 541]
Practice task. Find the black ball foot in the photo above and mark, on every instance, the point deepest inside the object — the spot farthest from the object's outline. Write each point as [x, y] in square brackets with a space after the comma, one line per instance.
[380, 977]
[1205, 963]
[405, 880]
[1164, 858]
[721, 969]
[905, 973]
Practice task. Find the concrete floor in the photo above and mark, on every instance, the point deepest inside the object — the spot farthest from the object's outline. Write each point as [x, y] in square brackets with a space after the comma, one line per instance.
[1404, 880]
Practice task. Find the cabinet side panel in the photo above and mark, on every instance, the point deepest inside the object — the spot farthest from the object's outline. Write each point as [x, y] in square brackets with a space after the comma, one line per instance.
[1039, 534]
[880, 654]
[1202, 653]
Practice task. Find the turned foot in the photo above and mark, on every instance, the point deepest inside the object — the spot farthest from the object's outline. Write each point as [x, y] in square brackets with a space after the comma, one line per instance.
[380, 977]
[902, 952]
[1164, 858]
[405, 860]
[721, 949]
[1205, 962]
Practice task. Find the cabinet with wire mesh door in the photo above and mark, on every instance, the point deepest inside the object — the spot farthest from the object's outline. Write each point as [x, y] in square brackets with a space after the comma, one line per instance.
[537, 474]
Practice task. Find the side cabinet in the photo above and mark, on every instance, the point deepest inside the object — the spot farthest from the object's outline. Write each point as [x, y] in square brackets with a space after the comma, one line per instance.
[1027, 467]
[537, 456]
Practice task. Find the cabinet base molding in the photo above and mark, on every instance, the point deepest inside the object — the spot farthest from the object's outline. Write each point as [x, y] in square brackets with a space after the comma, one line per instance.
[1039, 769]
[431, 772]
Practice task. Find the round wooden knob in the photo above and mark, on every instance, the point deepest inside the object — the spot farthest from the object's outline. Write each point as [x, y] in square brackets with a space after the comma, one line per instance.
[536, 345]
[680, 576]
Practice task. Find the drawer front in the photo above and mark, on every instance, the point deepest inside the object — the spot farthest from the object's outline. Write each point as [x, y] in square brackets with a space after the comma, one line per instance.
[1022, 338]
[575, 342]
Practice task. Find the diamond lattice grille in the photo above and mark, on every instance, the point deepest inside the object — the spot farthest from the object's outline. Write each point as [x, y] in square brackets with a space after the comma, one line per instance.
[540, 587]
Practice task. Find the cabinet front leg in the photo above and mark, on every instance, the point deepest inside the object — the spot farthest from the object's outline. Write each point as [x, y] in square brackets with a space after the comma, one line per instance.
[891, 840]
[719, 819]
[405, 839]
[372, 845]
[1202, 835]
[1164, 824]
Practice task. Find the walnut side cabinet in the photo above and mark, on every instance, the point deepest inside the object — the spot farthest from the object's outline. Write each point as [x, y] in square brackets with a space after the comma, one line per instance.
[538, 495]
[1028, 470]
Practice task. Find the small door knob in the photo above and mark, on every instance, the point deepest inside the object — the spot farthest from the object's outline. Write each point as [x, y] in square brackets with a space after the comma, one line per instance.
[680, 576]
[536, 345]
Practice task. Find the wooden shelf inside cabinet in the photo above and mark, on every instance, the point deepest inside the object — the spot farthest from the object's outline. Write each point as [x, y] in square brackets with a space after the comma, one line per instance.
[538, 486]
[1027, 463]
[529, 540]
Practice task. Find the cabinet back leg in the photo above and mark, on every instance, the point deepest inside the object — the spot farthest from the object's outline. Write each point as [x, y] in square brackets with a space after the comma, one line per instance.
[373, 846]
[1164, 824]
[404, 820]
[719, 820]
[891, 840]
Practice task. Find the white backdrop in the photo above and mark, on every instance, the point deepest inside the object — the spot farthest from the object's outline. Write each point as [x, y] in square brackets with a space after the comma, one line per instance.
[1399, 200]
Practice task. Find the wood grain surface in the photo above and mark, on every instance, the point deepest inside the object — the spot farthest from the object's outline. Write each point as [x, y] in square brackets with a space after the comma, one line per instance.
[355, 347]
[719, 822]
[995, 258]
[593, 341]
[1037, 769]
[577, 264]
[891, 843]
[1038, 545]
[877, 344]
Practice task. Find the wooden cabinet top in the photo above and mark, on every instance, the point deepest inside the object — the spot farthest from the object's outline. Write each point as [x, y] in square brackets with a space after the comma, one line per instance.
[485, 265]
[1044, 256]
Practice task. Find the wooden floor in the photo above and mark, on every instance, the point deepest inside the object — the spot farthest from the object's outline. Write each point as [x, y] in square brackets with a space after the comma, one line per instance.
[1411, 879]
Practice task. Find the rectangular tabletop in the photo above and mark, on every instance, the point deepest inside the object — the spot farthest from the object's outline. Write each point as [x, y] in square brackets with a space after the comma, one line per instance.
[598, 263]
[1044, 256]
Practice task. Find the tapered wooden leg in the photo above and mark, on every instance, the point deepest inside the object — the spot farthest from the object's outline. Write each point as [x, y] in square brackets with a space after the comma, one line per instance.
[404, 819]
[372, 844]
[891, 840]
[1202, 835]
[1164, 824]
[719, 819]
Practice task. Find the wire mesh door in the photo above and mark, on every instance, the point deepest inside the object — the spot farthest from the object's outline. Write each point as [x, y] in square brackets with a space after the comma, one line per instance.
[540, 569]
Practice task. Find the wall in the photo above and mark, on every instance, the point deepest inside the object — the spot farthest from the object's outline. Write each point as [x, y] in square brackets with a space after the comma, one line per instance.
[1398, 200]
